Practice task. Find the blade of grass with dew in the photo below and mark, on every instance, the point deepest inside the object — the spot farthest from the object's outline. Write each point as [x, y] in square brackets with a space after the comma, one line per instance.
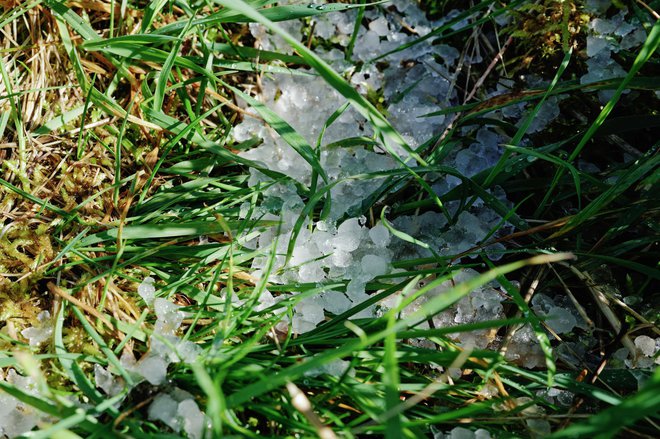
[275, 14]
[73, 371]
[150, 13]
[644, 166]
[175, 126]
[38, 201]
[163, 76]
[439, 31]
[16, 116]
[168, 147]
[575, 174]
[393, 427]
[517, 138]
[252, 53]
[404, 236]
[486, 106]
[111, 357]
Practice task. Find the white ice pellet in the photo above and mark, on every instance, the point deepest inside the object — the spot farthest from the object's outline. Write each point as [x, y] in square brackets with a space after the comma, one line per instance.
[147, 290]
[324, 27]
[179, 411]
[164, 409]
[379, 235]
[597, 6]
[461, 433]
[153, 368]
[169, 316]
[110, 384]
[192, 418]
[596, 44]
[349, 235]
[309, 310]
[335, 302]
[561, 320]
[379, 26]
[603, 26]
[42, 331]
[16, 417]
[646, 345]
[373, 266]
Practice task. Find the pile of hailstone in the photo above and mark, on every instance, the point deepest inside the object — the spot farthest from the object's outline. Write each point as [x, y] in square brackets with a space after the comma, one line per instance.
[176, 408]
[343, 246]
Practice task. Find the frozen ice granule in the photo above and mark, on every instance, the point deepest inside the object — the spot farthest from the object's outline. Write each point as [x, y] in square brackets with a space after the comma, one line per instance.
[310, 311]
[379, 26]
[561, 320]
[596, 44]
[379, 235]
[41, 332]
[192, 417]
[603, 26]
[164, 409]
[349, 235]
[646, 345]
[335, 368]
[106, 381]
[169, 316]
[598, 6]
[461, 433]
[153, 369]
[147, 290]
[373, 265]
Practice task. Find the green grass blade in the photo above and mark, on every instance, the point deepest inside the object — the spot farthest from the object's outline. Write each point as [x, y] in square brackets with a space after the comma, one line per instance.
[645, 53]
[609, 422]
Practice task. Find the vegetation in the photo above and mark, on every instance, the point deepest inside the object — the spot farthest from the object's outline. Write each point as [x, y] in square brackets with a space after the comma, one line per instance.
[118, 163]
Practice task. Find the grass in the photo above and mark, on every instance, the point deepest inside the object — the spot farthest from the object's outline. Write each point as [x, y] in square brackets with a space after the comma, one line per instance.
[118, 163]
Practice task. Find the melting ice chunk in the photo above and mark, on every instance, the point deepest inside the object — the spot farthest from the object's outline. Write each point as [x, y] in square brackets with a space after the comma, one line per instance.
[110, 384]
[379, 26]
[379, 235]
[164, 409]
[147, 290]
[169, 316]
[41, 332]
[180, 412]
[153, 368]
[373, 266]
[646, 345]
